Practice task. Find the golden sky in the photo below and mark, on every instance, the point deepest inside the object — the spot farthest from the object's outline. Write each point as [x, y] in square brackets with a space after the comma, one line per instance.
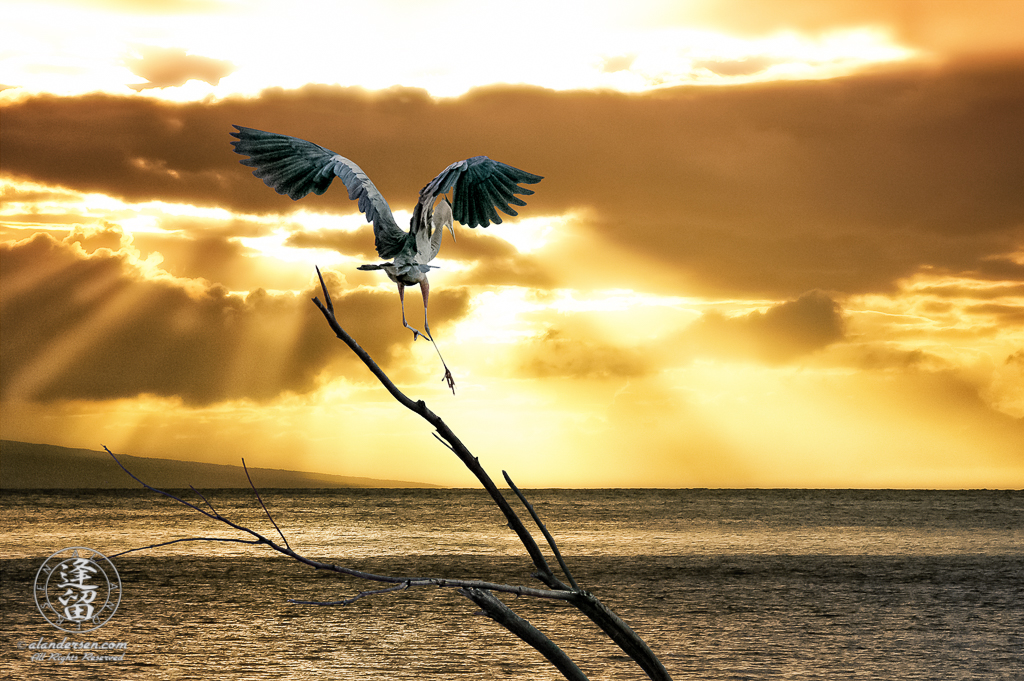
[778, 243]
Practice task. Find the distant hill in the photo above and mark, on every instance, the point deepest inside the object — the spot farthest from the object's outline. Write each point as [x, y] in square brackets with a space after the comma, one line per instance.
[34, 466]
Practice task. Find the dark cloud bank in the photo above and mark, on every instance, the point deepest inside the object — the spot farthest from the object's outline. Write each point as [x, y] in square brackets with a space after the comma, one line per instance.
[782, 333]
[766, 190]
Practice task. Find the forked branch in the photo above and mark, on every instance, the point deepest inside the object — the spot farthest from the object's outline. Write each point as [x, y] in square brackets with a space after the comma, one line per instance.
[478, 591]
[259, 539]
[544, 531]
[445, 434]
[587, 603]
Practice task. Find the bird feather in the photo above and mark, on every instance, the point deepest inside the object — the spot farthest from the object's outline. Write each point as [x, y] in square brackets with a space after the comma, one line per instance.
[295, 167]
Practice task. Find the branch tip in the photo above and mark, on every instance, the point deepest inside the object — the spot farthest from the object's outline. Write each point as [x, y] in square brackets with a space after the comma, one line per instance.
[260, 499]
[544, 531]
[327, 294]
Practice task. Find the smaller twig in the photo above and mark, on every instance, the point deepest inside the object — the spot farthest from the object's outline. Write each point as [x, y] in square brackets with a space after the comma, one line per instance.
[349, 601]
[544, 530]
[260, 539]
[327, 295]
[200, 495]
[260, 499]
[253, 542]
[214, 515]
[441, 440]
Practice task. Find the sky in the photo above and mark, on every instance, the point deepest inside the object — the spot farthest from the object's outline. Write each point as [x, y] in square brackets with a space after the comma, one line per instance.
[777, 244]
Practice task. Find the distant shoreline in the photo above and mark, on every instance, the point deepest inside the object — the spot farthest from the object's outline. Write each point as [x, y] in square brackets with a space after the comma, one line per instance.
[32, 466]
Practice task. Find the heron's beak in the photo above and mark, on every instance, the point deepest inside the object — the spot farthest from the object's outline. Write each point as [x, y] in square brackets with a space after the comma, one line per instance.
[451, 229]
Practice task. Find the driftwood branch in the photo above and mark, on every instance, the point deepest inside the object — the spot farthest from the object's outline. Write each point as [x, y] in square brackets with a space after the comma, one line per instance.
[178, 541]
[587, 603]
[506, 617]
[450, 440]
[259, 539]
[362, 594]
[478, 591]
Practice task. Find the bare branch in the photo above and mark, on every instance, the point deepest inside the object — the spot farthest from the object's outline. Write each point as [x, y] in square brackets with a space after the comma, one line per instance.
[214, 515]
[254, 542]
[478, 591]
[620, 632]
[328, 313]
[443, 582]
[586, 602]
[506, 617]
[200, 495]
[544, 530]
[443, 431]
[349, 601]
[260, 539]
[327, 294]
[260, 499]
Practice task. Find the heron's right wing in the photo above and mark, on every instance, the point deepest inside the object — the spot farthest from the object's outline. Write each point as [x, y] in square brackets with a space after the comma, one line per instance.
[481, 185]
[295, 167]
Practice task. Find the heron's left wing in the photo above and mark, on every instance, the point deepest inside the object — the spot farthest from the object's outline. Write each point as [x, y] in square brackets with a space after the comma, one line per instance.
[480, 185]
[295, 167]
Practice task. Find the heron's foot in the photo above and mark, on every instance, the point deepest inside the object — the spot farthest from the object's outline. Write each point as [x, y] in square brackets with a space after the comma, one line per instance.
[448, 379]
[416, 333]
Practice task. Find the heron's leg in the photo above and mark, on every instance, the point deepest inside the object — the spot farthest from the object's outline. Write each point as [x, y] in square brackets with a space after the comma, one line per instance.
[401, 297]
[425, 290]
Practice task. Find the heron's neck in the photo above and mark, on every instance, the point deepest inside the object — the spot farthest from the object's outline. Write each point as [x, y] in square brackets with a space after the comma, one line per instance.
[435, 241]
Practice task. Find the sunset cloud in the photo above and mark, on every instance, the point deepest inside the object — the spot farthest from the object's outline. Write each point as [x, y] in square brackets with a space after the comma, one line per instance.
[571, 356]
[716, 182]
[781, 333]
[776, 244]
[171, 67]
[944, 28]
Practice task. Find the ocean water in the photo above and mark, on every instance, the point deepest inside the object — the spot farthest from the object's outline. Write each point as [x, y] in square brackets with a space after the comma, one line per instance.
[748, 584]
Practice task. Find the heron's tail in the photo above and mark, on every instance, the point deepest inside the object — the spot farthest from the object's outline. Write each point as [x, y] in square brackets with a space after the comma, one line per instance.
[371, 267]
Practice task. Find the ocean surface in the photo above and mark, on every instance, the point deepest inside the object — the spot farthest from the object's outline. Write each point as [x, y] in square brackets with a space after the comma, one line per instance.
[748, 584]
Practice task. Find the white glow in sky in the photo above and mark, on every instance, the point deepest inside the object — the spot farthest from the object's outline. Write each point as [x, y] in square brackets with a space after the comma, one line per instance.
[444, 48]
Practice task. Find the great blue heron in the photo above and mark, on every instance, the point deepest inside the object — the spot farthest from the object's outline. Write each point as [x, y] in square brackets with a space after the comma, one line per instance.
[296, 167]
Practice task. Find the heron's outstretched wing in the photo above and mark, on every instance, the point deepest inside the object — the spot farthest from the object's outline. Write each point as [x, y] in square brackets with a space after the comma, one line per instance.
[295, 167]
[481, 185]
